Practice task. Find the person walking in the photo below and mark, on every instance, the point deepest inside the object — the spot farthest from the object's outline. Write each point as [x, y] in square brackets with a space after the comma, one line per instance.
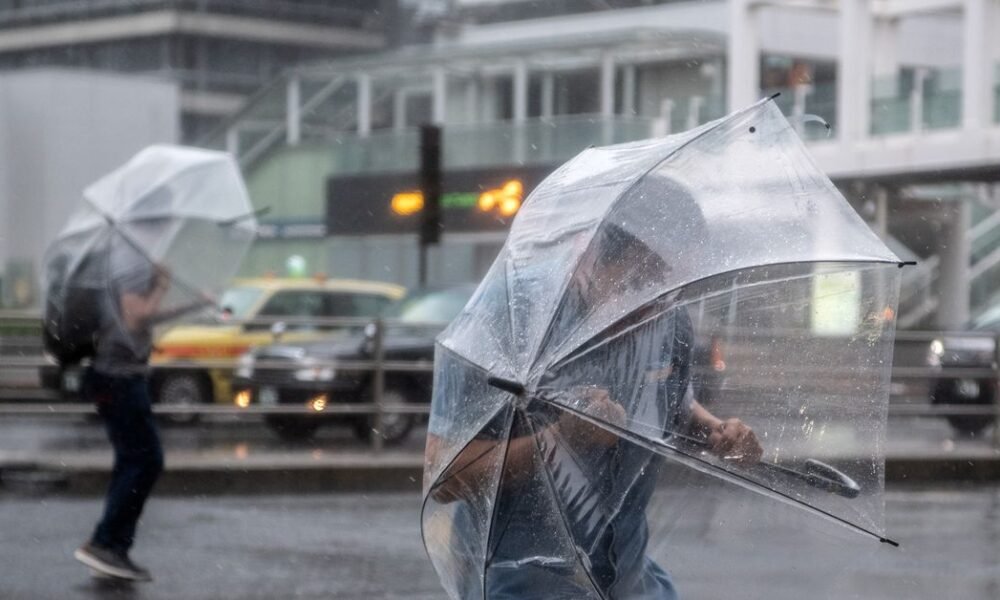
[117, 382]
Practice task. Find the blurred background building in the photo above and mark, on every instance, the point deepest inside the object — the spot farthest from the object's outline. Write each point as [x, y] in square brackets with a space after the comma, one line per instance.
[87, 83]
[910, 89]
[60, 129]
[219, 51]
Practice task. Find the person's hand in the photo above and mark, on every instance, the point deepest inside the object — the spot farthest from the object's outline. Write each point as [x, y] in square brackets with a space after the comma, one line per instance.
[599, 406]
[161, 279]
[733, 440]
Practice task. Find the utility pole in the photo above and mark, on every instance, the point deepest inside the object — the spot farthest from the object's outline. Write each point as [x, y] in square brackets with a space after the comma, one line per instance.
[430, 188]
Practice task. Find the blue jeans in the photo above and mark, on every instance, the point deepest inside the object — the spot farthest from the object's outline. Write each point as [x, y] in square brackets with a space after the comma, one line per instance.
[124, 404]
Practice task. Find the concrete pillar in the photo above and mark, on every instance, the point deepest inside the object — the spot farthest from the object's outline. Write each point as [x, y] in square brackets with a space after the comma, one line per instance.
[662, 125]
[520, 104]
[364, 99]
[233, 141]
[628, 91]
[472, 100]
[293, 111]
[607, 90]
[695, 106]
[917, 100]
[607, 96]
[548, 95]
[977, 66]
[439, 96]
[489, 113]
[399, 110]
[520, 92]
[853, 74]
[743, 55]
[954, 280]
[881, 211]
[885, 48]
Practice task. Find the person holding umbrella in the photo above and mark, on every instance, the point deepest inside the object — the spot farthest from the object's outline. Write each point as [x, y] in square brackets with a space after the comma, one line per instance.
[606, 508]
[117, 383]
[153, 240]
[564, 383]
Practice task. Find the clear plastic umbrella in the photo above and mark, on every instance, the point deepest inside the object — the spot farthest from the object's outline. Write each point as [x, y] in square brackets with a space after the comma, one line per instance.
[182, 211]
[645, 291]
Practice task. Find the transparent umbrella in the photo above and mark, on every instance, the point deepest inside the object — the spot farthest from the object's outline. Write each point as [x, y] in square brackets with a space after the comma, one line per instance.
[183, 211]
[703, 301]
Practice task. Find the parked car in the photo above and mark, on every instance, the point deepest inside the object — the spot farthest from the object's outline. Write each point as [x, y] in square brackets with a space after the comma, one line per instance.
[977, 349]
[201, 353]
[308, 373]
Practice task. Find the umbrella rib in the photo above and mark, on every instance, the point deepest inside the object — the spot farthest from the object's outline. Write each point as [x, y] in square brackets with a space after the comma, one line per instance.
[655, 444]
[113, 223]
[439, 481]
[488, 555]
[613, 203]
[562, 514]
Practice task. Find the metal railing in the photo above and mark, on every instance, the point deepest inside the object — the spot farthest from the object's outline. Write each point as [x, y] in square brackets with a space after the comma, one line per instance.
[20, 350]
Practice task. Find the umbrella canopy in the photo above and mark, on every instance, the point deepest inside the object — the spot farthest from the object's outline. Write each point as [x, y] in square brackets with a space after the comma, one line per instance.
[642, 287]
[182, 210]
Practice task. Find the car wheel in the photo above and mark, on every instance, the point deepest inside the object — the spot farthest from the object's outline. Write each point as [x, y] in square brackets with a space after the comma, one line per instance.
[395, 427]
[182, 390]
[293, 429]
[966, 392]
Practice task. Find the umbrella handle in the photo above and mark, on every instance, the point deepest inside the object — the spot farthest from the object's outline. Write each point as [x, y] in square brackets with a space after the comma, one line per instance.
[820, 475]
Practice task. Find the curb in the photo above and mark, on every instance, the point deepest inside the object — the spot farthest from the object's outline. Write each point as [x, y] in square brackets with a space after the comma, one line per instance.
[190, 478]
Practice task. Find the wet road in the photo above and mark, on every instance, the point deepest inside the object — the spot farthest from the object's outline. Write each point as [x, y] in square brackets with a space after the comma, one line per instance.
[354, 546]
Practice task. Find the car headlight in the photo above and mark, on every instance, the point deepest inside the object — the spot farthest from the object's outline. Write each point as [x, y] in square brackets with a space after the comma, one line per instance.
[314, 372]
[934, 353]
[244, 366]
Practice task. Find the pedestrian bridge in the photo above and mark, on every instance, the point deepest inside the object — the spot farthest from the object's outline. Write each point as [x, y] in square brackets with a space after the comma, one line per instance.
[917, 158]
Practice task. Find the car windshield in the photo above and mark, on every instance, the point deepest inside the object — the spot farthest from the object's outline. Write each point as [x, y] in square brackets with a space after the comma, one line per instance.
[239, 300]
[438, 306]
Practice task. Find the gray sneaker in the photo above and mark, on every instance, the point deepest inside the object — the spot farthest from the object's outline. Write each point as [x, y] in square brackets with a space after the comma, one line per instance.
[111, 563]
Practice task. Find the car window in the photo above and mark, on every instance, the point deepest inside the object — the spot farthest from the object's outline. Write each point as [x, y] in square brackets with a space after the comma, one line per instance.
[430, 307]
[294, 303]
[239, 300]
[342, 304]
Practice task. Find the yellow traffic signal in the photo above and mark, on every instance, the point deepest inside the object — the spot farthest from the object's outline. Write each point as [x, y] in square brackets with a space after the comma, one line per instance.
[407, 203]
[487, 200]
[507, 199]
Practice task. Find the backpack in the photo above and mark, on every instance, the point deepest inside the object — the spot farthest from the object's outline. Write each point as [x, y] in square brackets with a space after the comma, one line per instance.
[69, 330]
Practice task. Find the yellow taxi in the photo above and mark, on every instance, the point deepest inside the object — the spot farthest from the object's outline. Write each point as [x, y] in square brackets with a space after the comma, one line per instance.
[193, 362]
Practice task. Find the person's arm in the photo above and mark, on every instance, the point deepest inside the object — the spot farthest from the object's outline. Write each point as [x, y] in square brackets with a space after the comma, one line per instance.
[520, 451]
[470, 466]
[173, 313]
[138, 309]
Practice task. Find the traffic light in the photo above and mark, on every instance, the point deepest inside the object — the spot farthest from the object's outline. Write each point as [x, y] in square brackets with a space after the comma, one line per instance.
[430, 184]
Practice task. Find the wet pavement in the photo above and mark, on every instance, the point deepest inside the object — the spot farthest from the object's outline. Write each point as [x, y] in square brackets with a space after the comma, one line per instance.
[354, 546]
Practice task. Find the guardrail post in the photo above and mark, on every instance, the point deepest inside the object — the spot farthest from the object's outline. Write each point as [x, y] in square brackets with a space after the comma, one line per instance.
[378, 387]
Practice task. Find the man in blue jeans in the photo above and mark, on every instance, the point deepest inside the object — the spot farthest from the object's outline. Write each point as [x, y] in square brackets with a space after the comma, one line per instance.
[117, 382]
[569, 519]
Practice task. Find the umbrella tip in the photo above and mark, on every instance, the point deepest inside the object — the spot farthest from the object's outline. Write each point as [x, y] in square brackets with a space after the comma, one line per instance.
[506, 385]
